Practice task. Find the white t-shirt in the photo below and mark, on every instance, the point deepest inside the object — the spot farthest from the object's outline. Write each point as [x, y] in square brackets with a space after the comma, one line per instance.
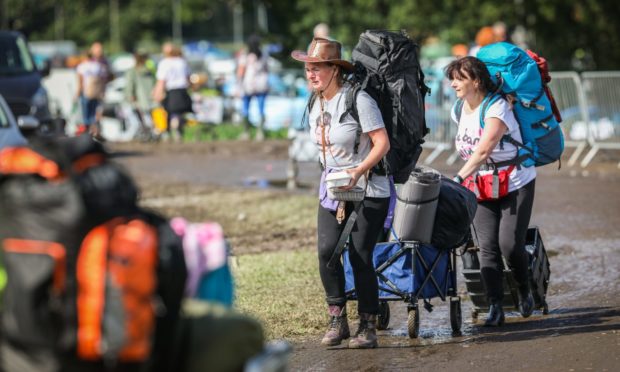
[470, 131]
[174, 71]
[92, 68]
[256, 74]
[340, 136]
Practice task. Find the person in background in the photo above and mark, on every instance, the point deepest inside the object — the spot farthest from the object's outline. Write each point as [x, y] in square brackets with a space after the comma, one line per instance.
[485, 36]
[500, 223]
[93, 75]
[500, 32]
[321, 30]
[335, 139]
[171, 89]
[459, 50]
[139, 84]
[253, 74]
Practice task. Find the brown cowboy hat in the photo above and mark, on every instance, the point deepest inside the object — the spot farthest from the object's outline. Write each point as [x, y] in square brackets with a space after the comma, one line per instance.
[323, 50]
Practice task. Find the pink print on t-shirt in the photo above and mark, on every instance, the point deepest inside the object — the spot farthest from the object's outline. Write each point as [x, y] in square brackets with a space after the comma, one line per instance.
[467, 142]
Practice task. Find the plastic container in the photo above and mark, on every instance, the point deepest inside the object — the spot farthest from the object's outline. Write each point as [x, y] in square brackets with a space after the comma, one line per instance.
[416, 204]
[337, 179]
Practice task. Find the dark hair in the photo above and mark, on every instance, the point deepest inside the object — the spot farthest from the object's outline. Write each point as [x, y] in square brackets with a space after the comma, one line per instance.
[254, 45]
[470, 68]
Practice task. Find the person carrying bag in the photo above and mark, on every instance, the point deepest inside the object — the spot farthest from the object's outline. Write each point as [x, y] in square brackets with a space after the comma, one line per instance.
[335, 133]
[493, 170]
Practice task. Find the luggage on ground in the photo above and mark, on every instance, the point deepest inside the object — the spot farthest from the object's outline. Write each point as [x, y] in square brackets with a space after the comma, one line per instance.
[538, 272]
[211, 337]
[93, 281]
[206, 257]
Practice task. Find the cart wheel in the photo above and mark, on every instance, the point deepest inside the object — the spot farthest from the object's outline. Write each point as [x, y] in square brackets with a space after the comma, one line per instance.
[413, 322]
[545, 310]
[383, 318]
[456, 317]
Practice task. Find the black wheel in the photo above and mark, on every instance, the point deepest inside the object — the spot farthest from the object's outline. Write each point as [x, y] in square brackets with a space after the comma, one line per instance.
[456, 317]
[545, 310]
[413, 322]
[383, 318]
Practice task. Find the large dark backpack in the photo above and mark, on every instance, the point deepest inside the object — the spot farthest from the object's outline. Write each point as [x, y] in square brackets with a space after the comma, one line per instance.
[388, 69]
[70, 233]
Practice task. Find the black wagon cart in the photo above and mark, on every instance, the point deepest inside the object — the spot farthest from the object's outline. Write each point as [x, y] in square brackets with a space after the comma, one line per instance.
[410, 271]
[538, 272]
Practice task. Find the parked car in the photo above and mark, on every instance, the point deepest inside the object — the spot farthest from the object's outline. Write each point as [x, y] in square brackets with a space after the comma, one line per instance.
[21, 81]
[10, 134]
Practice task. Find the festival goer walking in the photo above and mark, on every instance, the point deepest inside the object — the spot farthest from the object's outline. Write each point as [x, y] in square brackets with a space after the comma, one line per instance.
[171, 89]
[139, 84]
[253, 73]
[500, 32]
[335, 137]
[93, 75]
[484, 36]
[500, 223]
[321, 30]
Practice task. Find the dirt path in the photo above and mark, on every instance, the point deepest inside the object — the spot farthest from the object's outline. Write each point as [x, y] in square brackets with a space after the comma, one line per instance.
[578, 213]
[579, 218]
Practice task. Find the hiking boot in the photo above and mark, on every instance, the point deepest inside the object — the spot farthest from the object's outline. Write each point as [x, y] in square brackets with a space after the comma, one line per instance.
[244, 136]
[260, 135]
[496, 315]
[526, 303]
[338, 328]
[366, 335]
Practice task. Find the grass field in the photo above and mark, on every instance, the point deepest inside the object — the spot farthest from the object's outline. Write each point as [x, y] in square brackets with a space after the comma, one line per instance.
[273, 238]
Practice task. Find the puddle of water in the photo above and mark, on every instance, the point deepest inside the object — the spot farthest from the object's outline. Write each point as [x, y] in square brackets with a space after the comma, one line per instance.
[263, 183]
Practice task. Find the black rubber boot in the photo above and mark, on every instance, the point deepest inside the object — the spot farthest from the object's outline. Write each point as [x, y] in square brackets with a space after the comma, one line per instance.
[496, 315]
[526, 302]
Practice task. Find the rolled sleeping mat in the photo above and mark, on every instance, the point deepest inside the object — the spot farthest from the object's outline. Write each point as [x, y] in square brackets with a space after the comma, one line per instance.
[416, 204]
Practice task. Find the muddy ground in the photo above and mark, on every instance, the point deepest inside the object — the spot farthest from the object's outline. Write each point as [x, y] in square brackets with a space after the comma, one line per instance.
[577, 210]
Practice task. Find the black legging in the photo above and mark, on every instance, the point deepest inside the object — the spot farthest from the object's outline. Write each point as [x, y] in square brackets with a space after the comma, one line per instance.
[369, 224]
[501, 228]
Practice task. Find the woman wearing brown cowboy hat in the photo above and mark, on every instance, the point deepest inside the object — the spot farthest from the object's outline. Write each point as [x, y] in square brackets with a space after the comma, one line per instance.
[336, 137]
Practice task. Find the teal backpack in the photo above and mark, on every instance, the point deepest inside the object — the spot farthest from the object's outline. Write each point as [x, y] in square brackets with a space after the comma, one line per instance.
[516, 74]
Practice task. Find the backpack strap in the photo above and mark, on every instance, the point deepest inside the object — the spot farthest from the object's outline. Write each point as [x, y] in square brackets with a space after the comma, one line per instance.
[532, 104]
[488, 100]
[458, 109]
[350, 104]
[305, 120]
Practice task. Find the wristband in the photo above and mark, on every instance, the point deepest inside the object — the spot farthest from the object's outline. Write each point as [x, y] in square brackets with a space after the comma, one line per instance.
[457, 179]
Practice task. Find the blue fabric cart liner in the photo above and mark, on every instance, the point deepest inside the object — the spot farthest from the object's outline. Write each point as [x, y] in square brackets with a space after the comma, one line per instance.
[400, 272]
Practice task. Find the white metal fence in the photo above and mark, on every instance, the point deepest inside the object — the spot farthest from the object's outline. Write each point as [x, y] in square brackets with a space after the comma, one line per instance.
[589, 104]
[602, 99]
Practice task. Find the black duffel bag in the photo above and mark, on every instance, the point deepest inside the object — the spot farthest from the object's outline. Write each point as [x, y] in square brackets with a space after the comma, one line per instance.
[456, 209]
